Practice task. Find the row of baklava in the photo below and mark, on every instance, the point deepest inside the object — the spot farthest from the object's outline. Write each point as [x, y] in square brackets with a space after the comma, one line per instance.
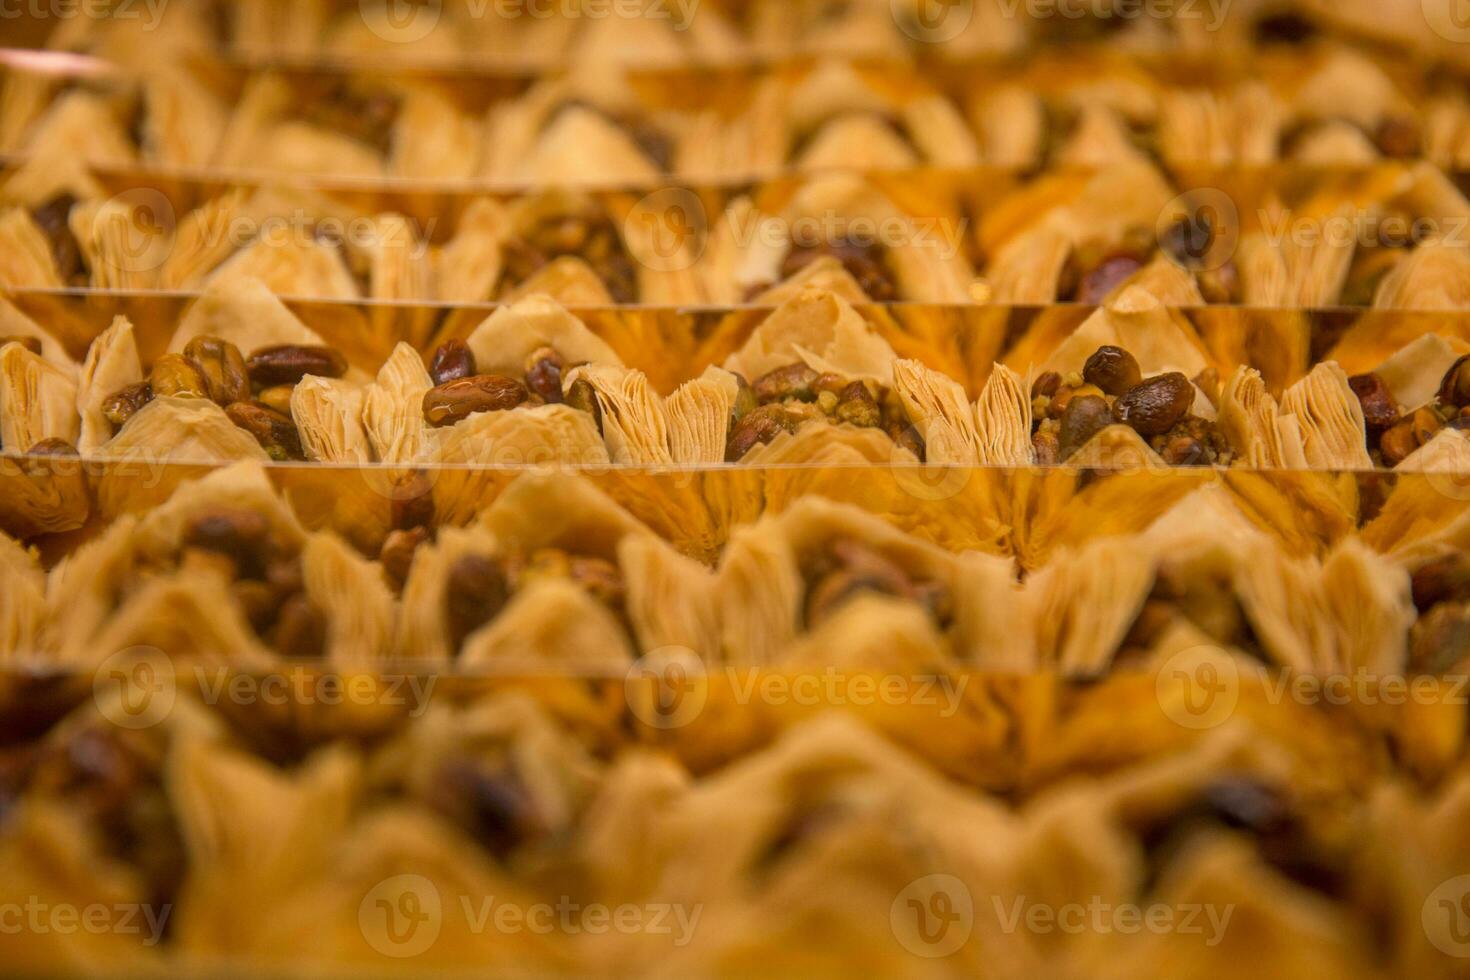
[1393, 237]
[488, 836]
[537, 34]
[847, 568]
[603, 125]
[1133, 385]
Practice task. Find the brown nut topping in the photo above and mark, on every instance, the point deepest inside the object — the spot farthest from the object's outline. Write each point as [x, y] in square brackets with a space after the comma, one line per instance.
[583, 397]
[1084, 418]
[258, 602]
[275, 431]
[1398, 443]
[906, 436]
[1454, 389]
[495, 807]
[1398, 137]
[861, 568]
[456, 401]
[452, 361]
[475, 592]
[1157, 405]
[243, 535]
[1439, 643]
[856, 406]
[600, 578]
[863, 261]
[413, 501]
[398, 552]
[543, 376]
[175, 375]
[1100, 283]
[745, 400]
[54, 220]
[1379, 409]
[287, 364]
[1188, 240]
[1058, 406]
[1185, 451]
[835, 591]
[1046, 385]
[1113, 370]
[32, 344]
[123, 405]
[53, 447]
[1426, 424]
[301, 629]
[1047, 447]
[756, 429]
[223, 368]
[1444, 580]
[1220, 285]
[793, 381]
[365, 116]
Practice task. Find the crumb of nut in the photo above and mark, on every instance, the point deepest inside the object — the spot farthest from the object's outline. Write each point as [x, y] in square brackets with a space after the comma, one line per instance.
[1058, 405]
[123, 404]
[1046, 385]
[1398, 443]
[277, 398]
[858, 407]
[1047, 447]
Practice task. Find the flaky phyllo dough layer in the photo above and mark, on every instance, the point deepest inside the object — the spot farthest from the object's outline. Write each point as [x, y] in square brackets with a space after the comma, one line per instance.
[549, 571]
[1294, 826]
